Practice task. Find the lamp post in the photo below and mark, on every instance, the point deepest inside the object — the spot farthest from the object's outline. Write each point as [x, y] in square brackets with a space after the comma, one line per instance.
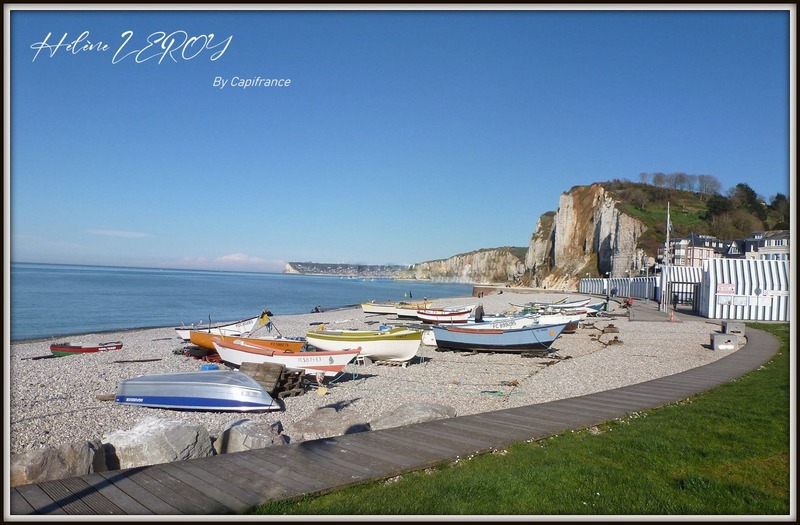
[630, 283]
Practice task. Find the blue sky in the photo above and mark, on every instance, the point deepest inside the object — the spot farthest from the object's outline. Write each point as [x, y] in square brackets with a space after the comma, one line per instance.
[404, 136]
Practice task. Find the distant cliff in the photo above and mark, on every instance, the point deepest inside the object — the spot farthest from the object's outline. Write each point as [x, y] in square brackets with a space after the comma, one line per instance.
[496, 265]
[350, 270]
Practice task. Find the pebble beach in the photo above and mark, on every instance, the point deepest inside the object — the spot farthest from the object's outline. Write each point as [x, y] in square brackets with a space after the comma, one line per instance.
[57, 400]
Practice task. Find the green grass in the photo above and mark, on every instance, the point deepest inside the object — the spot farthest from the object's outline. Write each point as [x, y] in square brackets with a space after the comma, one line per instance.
[723, 452]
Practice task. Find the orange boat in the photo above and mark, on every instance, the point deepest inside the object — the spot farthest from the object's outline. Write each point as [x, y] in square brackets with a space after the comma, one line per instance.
[282, 344]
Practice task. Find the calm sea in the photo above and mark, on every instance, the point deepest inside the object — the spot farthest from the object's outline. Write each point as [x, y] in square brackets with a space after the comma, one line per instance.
[50, 300]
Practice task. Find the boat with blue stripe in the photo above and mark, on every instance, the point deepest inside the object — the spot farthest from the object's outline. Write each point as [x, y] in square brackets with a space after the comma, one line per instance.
[213, 390]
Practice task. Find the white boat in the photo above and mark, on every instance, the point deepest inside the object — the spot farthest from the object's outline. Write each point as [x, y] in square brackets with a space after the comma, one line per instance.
[534, 305]
[235, 328]
[390, 307]
[329, 363]
[446, 315]
[398, 344]
[219, 390]
[512, 322]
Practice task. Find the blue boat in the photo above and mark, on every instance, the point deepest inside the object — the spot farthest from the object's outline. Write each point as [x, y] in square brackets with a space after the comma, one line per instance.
[214, 390]
[527, 339]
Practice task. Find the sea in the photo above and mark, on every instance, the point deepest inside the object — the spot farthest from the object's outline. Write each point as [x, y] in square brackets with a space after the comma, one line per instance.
[54, 300]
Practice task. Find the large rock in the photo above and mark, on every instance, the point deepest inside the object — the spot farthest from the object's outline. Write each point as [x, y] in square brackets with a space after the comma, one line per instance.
[155, 440]
[326, 422]
[412, 413]
[245, 434]
[66, 461]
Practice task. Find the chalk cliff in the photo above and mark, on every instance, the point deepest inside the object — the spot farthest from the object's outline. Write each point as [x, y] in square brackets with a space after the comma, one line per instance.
[498, 265]
[588, 234]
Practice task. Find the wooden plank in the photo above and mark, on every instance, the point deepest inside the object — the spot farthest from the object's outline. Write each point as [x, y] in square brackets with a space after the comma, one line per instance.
[172, 495]
[592, 406]
[90, 496]
[248, 484]
[533, 423]
[660, 395]
[550, 414]
[579, 409]
[18, 505]
[331, 453]
[122, 480]
[466, 437]
[62, 494]
[282, 473]
[185, 498]
[209, 484]
[430, 450]
[626, 401]
[38, 499]
[497, 433]
[329, 473]
[273, 484]
[380, 452]
[111, 492]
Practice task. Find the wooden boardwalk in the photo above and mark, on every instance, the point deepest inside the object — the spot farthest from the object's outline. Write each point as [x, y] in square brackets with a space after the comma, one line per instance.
[235, 483]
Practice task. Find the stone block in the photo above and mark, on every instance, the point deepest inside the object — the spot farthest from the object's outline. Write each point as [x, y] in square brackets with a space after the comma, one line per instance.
[724, 341]
[731, 327]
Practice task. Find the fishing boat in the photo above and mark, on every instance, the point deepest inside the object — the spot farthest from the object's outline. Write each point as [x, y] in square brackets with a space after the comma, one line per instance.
[594, 308]
[329, 363]
[446, 315]
[234, 328]
[560, 305]
[280, 343]
[390, 307]
[67, 348]
[407, 312]
[213, 390]
[398, 344]
[527, 339]
[524, 320]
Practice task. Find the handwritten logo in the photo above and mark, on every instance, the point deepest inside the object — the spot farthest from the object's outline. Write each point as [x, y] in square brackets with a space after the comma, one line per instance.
[178, 46]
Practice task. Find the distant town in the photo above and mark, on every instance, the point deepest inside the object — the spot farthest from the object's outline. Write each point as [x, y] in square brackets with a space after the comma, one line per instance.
[381, 271]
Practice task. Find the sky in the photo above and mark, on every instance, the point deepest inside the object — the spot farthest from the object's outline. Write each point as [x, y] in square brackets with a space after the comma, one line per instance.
[396, 136]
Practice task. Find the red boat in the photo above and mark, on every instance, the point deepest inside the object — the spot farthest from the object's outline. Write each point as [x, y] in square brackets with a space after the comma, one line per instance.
[62, 349]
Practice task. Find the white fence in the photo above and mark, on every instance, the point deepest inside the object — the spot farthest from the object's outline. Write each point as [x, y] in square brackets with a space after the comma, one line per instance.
[747, 290]
[735, 289]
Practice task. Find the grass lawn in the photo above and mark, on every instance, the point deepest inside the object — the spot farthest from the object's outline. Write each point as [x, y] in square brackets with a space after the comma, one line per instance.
[723, 452]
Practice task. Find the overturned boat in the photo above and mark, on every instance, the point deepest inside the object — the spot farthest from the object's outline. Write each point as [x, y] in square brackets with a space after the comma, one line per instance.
[213, 390]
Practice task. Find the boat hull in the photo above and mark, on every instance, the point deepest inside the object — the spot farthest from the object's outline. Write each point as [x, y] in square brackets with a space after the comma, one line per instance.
[283, 344]
[532, 338]
[398, 344]
[327, 363]
[214, 390]
[444, 316]
[391, 307]
[237, 328]
[65, 349]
